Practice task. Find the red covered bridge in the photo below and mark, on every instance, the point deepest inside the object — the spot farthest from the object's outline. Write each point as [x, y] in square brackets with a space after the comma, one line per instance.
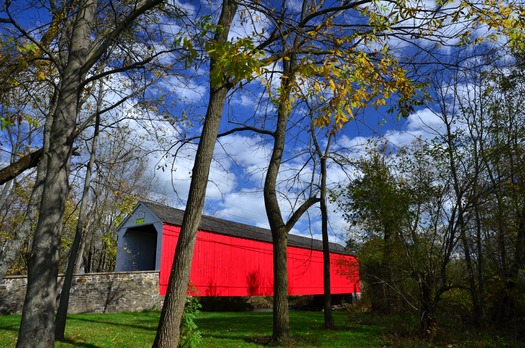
[230, 259]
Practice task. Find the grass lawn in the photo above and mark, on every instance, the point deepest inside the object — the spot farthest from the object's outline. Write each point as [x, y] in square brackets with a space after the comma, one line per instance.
[253, 329]
[242, 329]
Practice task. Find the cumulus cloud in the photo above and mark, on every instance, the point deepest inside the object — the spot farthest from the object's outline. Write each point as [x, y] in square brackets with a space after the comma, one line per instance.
[188, 89]
[246, 206]
[423, 124]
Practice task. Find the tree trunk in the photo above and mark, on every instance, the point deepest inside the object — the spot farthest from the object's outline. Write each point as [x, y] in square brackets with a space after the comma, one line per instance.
[80, 254]
[387, 302]
[12, 247]
[60, 320]
[11, 250]
[37, 325]
[168, 332]
[281, 322]
[428, 318]
[461, 223]
[327, 298]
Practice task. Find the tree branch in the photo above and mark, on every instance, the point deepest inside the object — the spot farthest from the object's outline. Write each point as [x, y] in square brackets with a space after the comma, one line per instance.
[14, 169]
[300, 211]
[247, 128]
[120, 27]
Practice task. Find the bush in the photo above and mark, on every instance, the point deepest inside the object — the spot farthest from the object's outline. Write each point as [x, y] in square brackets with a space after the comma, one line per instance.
[190, 336]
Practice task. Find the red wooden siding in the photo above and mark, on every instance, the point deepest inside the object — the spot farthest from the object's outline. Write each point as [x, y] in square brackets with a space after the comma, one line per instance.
[231, 266]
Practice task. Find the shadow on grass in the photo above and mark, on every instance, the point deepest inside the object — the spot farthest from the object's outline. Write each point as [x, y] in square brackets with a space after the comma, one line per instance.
[146, 323]
[78, 344]
[13, 328]
[307, 329]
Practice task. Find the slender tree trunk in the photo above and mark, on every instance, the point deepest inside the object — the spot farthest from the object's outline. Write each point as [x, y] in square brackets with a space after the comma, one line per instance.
[11, 250]
[168, 332]
[327, 297]
[480, 265]
[461, 223]
[281, 321]
[280, 229]
[428, 318]
[519, 250]
[60, 320]
[80, 254]
[37, 325]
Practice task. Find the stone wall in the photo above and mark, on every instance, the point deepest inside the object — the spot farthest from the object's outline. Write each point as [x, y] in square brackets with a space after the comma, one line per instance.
[94, 292]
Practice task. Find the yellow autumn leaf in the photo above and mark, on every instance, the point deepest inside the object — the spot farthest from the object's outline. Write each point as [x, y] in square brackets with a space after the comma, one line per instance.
[332, 84]
[40, 76]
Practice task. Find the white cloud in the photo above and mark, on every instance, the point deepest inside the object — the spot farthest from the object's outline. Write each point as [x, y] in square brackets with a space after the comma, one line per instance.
[188, 89]
[246, 206]
[187, 7]
[423, 124]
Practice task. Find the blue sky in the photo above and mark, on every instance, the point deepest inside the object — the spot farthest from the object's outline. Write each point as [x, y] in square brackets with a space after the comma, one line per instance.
[236, 179]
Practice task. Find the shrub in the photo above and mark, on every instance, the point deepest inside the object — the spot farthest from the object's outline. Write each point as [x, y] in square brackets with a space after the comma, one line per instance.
[190, 336]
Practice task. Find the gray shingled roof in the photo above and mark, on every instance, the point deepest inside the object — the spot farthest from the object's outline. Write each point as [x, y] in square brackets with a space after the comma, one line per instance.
[174, 217]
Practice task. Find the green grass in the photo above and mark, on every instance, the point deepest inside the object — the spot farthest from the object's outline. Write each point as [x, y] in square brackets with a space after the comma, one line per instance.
[94, 330]
[242, 329]
[253, 329]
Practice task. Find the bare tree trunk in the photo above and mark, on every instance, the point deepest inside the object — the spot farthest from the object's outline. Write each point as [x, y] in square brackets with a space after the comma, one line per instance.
[12, 247]
[11, 250]
[428, 318]
[37, 325]
[281, 321]
[461, 223]
[60, 320]
[80, 253]
[327, 298]
[168, 332]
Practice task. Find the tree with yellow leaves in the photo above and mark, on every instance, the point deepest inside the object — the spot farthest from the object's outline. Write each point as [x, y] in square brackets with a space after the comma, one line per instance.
[62, 48]
[340, 54]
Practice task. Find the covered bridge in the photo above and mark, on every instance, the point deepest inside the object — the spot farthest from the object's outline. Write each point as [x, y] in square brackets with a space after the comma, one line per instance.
[230, 258]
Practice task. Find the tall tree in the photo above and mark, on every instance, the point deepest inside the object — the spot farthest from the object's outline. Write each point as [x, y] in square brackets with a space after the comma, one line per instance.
[37, 325]
[168, 332]
[487, 160]
[323, 159]
[60, 319]
[82, 52]
[326, 48]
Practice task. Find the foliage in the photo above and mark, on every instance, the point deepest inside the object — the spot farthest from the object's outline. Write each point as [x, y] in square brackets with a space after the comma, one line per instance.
[349, 81]
[190, 335]
[236, 62]
[449, 210]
